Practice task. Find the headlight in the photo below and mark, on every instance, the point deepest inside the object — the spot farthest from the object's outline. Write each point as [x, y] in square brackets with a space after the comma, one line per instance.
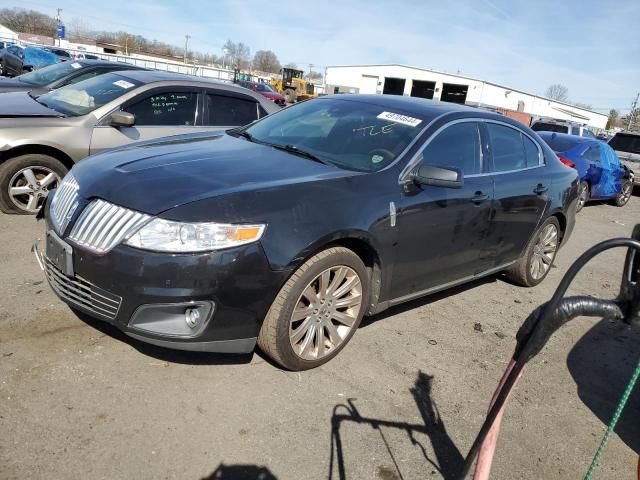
[166, 236]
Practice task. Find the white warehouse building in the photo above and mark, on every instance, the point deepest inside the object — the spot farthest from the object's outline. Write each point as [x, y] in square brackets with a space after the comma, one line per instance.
[418, 82]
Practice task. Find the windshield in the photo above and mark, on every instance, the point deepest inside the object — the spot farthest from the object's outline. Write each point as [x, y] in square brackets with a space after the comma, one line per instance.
[84, 97]
[49, 74]
[549, 127]
[36, 57]
[263, 87]
[349, 134]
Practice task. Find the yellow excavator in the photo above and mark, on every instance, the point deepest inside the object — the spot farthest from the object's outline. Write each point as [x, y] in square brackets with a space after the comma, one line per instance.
[293, 86]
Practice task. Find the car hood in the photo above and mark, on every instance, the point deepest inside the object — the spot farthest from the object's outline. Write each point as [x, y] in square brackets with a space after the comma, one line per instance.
[156, 176]
[14, 85]
[20, 104]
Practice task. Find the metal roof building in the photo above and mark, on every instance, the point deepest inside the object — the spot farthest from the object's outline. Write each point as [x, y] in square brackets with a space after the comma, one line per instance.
[418, 82]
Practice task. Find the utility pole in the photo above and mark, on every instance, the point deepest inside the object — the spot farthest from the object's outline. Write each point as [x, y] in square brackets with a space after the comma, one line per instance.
[632, 113]
[186, 44]
[311, 65]
[58, 21]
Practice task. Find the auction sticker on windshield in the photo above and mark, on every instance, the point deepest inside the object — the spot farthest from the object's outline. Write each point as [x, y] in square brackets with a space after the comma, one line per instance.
[123, 84]
[402, 119]
[76, 65]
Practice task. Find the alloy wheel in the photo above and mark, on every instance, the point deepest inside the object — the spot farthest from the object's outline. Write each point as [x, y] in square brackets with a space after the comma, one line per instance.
[325, 312]
[625, 194]
[30, 186]
[582, 197]
[544, 251]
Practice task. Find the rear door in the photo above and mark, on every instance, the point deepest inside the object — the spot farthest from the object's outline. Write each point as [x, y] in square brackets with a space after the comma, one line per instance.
[158, 113]
[13, 62]
[226, 109]
[521, 189]
[442, 232]
[595, 174]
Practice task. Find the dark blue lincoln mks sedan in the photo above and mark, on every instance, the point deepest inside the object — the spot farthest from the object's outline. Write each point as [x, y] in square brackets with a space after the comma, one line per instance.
[286, 232]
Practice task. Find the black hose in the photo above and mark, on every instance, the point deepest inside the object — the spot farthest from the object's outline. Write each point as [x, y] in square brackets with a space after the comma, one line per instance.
[546, 319]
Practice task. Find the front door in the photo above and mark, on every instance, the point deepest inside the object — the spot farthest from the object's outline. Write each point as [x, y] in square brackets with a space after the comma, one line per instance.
[443, 232]
[520, 190]
[157, 114]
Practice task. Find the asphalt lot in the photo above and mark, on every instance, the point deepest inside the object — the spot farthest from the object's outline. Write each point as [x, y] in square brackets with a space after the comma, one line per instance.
[80, 400]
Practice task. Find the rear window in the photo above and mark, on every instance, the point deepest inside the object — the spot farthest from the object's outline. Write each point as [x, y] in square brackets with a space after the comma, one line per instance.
[549, 127]
[561, 143]
[624, 142]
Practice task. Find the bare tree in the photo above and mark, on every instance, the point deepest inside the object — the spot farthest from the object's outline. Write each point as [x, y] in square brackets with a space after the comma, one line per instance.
[612, 121]
[557, 92]
[586, 106]
[266, 61]
[28, 21]
[239, 54]
[79, 29]
[291, 65]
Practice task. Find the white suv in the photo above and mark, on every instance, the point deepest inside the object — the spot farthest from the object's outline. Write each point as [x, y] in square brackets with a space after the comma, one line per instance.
[562, 126]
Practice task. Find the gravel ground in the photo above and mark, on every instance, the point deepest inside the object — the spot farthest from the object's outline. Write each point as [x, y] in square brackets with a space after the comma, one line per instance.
[403, 401]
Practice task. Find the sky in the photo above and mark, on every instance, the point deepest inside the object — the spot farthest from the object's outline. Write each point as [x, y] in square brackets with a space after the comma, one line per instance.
[592, 47]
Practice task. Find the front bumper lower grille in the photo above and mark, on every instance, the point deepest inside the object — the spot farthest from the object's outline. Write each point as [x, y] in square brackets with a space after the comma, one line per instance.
[82, 293]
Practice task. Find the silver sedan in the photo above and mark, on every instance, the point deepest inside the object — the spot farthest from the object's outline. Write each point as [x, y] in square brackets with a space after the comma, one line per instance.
[41, 137]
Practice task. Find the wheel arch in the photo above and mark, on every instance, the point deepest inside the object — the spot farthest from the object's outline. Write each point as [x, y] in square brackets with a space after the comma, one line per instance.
[362, 244]
[26, 149]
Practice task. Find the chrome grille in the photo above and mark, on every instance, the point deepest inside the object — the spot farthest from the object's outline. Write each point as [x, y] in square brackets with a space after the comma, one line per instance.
[102, 225]
[82, 293]
[65, 196]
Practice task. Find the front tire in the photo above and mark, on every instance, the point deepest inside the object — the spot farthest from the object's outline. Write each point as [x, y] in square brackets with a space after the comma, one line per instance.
[317, 311]
[25, 182]
[535, 263]
[624, 195]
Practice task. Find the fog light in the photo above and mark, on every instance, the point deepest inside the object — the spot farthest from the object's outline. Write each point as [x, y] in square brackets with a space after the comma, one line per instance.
[192, 317]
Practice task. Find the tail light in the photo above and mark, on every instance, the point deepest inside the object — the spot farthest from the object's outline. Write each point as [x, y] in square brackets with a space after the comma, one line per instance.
[566, 161]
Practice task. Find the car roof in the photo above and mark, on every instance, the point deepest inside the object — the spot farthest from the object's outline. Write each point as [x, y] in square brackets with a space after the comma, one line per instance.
[576, 138]
[152, 76]
[90, 62]
[428, 109]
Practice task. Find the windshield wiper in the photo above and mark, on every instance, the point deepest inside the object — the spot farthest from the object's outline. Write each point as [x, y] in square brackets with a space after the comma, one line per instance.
[296, 151]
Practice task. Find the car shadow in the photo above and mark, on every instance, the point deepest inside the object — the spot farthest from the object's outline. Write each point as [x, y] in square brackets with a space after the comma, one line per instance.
[241, 472]
[428, 299]
[448, 460]
[165, 354]
[601, 364]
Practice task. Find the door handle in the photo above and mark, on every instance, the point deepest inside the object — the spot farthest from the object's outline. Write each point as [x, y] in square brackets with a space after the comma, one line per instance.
[540, 189]
[479, 197]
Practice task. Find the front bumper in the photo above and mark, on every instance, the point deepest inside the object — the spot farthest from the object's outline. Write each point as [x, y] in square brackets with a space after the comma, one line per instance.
[237, 284]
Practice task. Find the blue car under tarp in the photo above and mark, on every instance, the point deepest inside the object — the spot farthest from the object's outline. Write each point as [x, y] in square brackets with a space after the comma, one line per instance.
[38, 58]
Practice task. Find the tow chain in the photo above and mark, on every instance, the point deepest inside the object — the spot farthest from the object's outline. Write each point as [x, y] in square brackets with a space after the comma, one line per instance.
[612, 425]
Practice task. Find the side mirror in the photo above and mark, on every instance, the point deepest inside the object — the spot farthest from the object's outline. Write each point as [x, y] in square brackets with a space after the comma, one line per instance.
[122, 119]
[447, 177]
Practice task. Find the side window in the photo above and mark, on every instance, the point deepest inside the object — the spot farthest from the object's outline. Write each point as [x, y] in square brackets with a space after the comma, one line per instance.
[575, 130]
[166, 108]
[530, 151]
[456, 146]
[593, 154]
[227, 111]
[507, 148]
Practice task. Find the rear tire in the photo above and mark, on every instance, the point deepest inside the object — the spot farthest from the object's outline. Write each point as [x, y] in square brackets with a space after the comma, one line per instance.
[536, 261]
[583, 196]
[317, 311]
[624, 195]
[34, 174]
